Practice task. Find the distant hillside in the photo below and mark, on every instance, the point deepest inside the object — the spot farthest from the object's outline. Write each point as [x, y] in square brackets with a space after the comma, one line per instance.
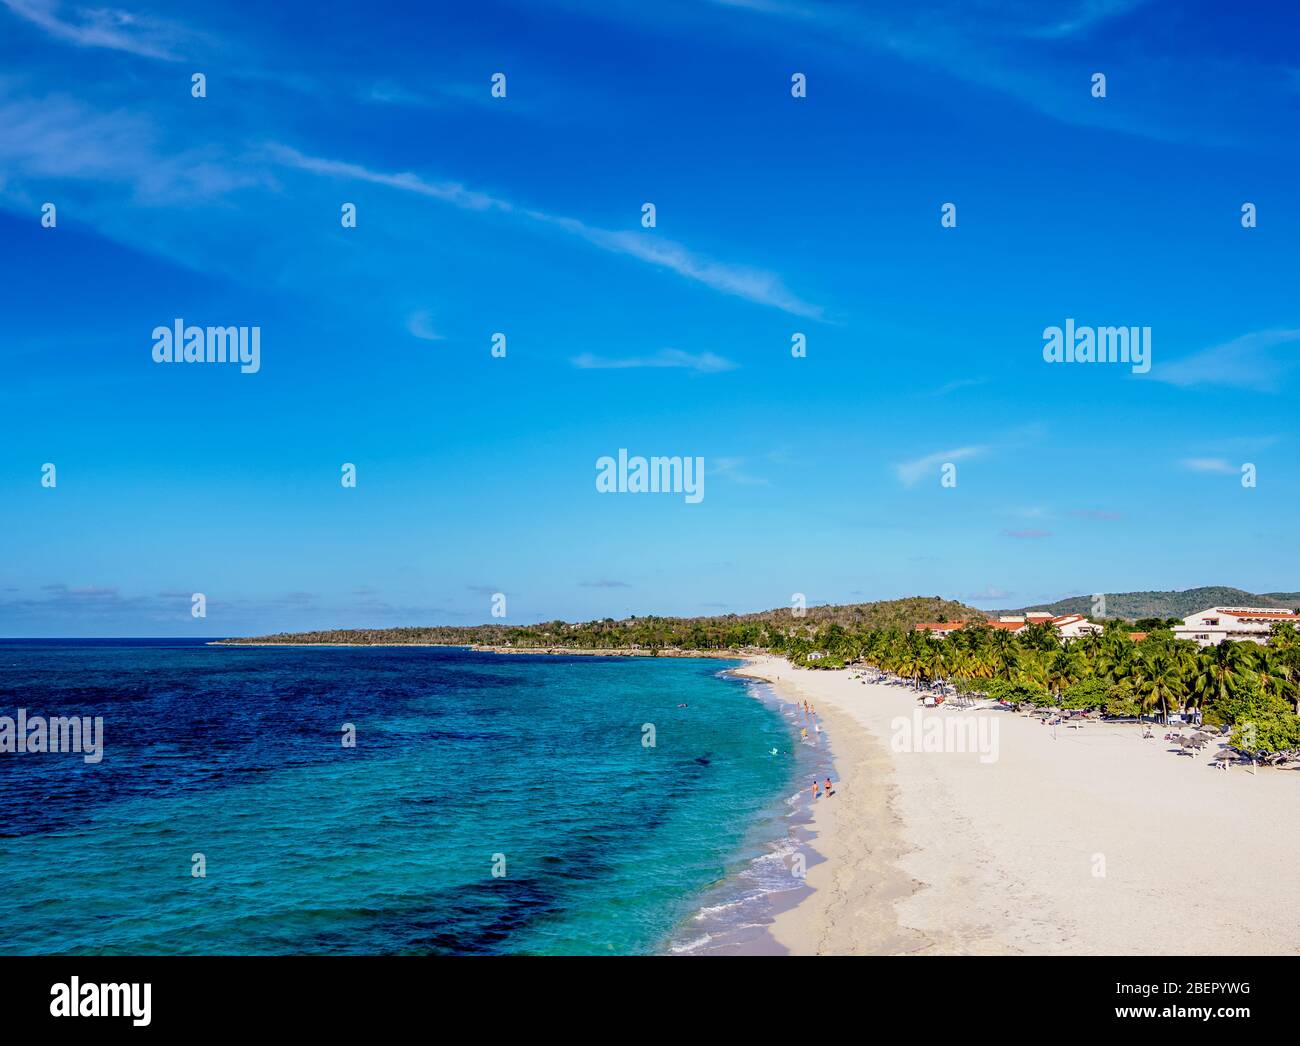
[884, 613]
[1134, 605]
[716, 632]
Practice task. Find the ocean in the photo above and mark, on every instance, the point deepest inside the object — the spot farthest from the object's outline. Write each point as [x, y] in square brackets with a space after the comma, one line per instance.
[491, 804]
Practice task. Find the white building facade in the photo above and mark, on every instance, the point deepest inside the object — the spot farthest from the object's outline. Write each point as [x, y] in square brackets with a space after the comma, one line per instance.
[1240, 624]
[1068, 626]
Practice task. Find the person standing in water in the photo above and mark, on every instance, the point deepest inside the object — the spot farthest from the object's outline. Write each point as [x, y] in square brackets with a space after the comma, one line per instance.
[814, 788]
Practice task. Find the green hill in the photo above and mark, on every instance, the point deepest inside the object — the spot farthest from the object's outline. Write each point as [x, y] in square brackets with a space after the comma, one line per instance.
[716, 632]
[1134, 605]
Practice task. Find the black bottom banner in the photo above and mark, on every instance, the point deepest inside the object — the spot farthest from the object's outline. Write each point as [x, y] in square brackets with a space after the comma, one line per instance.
[179, 995]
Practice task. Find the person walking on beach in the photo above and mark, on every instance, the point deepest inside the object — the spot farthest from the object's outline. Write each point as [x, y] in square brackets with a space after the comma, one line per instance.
[828, 788]
[814, 789]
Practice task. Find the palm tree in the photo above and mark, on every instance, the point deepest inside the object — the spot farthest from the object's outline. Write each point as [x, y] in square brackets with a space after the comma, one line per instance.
[1115, 651]
[1159, 682]
[911, 664]
[1217, 668]
[1032, 669]
[1005, 654]
[1066, 666]
[1040, 636]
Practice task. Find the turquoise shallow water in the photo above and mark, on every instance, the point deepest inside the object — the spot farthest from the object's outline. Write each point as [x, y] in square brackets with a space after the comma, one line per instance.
[609, 846]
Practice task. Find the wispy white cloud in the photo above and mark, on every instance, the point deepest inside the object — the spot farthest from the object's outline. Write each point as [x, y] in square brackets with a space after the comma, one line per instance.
[703, 362]
[1208, 465]
[388, 93]
[1252, 361]
[436, 96]
[57, 137]
[988, 592]
[912, 472]
[419, 324]
[960, 383]
[1081, 18]
[752, 284]
[105, 27]
[1016, 48]
[756, 285]
[448, 192]
[1029, 533]
[734, 470]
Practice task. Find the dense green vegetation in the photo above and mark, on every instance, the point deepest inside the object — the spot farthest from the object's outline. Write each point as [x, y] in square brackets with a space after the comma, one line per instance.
[1151, 611]
[1254, 688]
[717, 633]
[1166, 605]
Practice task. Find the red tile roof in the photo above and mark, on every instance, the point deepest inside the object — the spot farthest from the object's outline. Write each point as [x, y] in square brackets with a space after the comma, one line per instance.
[1005, 626]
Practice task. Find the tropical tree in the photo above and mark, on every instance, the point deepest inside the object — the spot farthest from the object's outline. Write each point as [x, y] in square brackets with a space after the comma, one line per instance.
[1159, 682]
[1217, 668]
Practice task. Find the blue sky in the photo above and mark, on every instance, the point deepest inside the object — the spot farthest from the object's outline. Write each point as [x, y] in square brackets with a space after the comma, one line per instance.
[522, 215]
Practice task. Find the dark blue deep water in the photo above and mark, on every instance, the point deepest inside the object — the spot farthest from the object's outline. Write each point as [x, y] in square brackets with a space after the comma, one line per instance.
[235, 753]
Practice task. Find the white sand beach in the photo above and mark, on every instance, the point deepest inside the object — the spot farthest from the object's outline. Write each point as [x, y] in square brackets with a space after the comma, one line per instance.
[1094, 841]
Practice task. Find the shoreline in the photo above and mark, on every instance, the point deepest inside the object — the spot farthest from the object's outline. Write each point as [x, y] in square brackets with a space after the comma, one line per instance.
[1093, 842]
[855, 843]
[735, 914]
[483, 648]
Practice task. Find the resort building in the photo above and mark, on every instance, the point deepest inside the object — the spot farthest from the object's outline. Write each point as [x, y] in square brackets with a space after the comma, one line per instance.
[1254, 624]
[1072, 626]
[939, 629]
[1068, 626]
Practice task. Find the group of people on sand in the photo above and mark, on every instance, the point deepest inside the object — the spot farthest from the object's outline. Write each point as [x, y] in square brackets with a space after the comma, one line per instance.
[810, 714]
